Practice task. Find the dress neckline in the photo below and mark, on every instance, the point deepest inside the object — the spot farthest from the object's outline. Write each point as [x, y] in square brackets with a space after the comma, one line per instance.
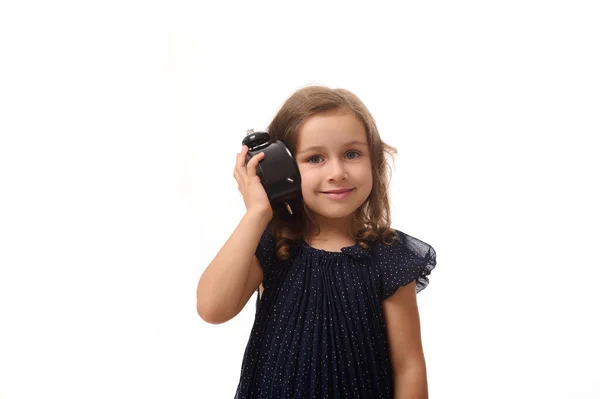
[307, 245]
[355, 250]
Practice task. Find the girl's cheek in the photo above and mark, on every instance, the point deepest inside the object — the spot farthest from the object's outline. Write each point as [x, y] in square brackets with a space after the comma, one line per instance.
[305, 173]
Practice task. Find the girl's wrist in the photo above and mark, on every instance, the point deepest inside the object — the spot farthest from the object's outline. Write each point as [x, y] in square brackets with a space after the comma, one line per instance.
[259, 216]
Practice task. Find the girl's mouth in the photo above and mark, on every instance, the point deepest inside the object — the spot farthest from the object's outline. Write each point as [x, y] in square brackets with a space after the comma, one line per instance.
[338, 194]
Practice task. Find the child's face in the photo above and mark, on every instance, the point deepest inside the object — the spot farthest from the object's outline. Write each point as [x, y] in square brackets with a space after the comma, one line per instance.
[341, 161]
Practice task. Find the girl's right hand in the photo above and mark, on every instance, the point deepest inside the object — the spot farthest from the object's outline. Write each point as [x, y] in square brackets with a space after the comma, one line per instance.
[255, 196]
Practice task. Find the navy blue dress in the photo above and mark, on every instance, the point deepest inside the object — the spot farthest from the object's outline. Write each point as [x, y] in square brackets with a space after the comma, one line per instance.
[319, 329]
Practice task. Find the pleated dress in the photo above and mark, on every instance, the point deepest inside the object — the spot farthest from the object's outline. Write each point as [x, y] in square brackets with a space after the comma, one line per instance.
[319, 329]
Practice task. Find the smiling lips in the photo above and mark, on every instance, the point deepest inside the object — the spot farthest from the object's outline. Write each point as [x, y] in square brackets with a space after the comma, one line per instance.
[342, 190]
[338, 194]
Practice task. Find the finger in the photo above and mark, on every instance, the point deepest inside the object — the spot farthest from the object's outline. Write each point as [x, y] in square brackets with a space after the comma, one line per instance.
[239, 160]
[251, 168]
[241, 157]
[244, 155]
[240, 178]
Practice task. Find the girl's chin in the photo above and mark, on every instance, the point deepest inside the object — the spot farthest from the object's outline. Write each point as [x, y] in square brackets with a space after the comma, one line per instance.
[329, 213]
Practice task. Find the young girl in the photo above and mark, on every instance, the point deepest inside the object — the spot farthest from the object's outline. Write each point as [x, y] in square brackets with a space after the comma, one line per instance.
[336, 314]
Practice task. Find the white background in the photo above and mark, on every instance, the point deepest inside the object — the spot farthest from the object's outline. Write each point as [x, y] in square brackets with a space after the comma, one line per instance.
[120, 122]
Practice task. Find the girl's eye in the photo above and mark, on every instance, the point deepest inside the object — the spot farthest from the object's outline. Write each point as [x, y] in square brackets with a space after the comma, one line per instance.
[354, 152]
[357, 154]
[313, 157]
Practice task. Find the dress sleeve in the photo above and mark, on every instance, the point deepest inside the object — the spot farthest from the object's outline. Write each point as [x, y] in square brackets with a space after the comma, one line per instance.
[265, 252]
[407, 259]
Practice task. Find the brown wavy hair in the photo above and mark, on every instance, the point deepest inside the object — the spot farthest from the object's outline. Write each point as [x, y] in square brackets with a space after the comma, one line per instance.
[371, 221]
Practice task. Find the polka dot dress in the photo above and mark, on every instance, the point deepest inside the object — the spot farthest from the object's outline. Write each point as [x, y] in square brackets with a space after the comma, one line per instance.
[319, 329]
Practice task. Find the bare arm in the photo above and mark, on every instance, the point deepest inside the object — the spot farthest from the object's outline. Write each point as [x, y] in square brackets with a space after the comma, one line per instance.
[406, 349]
[225, 283]
[222, 284]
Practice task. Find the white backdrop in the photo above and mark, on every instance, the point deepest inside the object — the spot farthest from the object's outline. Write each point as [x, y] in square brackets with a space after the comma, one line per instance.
[120, 122]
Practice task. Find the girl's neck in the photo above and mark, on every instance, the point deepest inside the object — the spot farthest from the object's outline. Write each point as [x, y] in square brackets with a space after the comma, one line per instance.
[331, 234]
[332, 244]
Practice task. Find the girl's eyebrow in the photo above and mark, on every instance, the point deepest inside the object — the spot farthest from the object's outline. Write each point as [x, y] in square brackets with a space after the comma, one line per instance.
[355, 142]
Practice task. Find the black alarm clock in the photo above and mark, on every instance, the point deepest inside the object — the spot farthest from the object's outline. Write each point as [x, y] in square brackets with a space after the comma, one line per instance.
[278, 171]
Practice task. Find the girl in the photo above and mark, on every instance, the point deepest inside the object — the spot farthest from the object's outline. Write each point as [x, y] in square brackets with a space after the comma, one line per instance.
[336, 314]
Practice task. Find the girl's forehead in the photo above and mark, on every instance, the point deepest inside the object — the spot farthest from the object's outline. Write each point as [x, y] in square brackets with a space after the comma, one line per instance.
[330, 131]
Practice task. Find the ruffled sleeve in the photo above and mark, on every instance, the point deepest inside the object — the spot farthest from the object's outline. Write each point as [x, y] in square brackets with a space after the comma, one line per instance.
[407, 259]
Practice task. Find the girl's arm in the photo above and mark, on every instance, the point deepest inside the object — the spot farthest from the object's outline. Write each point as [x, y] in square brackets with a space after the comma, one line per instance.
[406, 350]
[223, 283]
[234, 273]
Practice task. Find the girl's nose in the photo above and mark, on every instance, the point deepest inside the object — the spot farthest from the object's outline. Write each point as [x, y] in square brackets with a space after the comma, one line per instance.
[337, 172]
